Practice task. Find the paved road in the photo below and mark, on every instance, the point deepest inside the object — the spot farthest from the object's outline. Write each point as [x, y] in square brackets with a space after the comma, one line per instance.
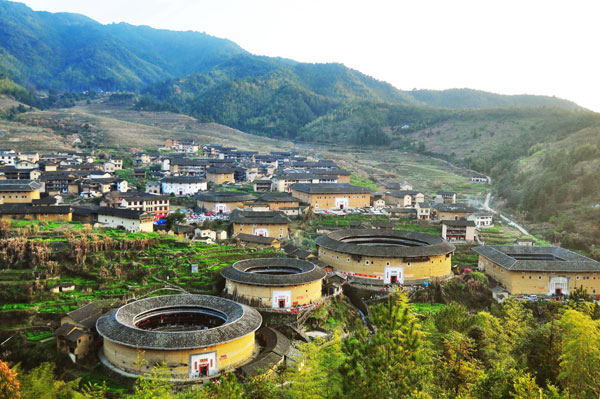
[512, 223]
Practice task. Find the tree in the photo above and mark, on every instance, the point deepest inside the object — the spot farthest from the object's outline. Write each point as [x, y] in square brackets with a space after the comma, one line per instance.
[458, 369]
[40, 383]
[154, 385]
[9, 384]
[580, 357]
[226, 388]
[389, 363]
[173, 219]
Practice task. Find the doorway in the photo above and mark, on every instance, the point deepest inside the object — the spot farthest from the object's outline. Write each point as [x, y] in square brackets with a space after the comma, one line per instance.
[281, 299]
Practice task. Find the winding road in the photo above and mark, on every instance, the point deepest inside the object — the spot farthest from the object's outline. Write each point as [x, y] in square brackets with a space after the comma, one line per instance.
[512, 223]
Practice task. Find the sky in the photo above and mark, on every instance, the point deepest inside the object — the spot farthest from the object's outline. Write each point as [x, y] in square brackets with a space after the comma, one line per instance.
[503, 46]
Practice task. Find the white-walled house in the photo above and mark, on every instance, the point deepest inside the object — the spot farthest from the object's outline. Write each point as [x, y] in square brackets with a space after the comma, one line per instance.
[482, 219]
[133, 221]
[183, 186]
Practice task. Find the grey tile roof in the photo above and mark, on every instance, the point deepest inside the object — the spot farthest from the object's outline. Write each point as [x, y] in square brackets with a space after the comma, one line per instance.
[119, 212]
[220, 170]
[255, 217]
[256, 239]
[460, 208]
[14, 209]
[329, 188]
[514, 258]
[459, 223]
[183, 179]
[86, 315]
[224, 196]
[241, 272]
[384, 243]
[11, 185]
[118, 325]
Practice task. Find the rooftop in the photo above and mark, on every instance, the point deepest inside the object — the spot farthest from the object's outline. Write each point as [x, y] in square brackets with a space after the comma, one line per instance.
[384, 243]
[535, 258]
[329, 188]
[12, 185]
[224, 196]
[254, 217]
[121, 325]
[273, 272]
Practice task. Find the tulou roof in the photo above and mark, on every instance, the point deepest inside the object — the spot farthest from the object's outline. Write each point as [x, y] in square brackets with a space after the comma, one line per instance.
[460, 208]
[292, 272]
[11, 185]
[255, 217]
[535, 258]
[224, 196]
[384, 243]
[256, 239]
[459, 223]
[183, 179]
[121, 213]
[329, 188]
[18, 209]
[118, 325]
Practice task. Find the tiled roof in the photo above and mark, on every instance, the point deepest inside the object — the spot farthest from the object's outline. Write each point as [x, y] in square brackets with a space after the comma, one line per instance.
[12, 185]
[255, 217]
[241, 272]
[329, 188]
[514, 258]
[384, 243]
[118, 325]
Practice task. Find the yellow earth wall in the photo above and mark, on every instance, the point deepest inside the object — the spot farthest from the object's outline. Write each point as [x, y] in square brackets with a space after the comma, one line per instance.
[327, 201]
[537, 283]
[436, 266]
[300, 295]
[274, 229]
[23, 197]
[229, 356]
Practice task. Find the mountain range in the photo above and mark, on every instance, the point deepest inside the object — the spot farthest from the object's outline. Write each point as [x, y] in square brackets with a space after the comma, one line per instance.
[65, 51]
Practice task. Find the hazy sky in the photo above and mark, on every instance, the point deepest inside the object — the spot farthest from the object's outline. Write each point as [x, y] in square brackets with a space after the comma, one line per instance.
[509, 47]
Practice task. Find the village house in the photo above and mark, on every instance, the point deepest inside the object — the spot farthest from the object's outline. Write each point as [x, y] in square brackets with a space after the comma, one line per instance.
[526, 241]
[458, 230]
[180, 166]
[153, 187]
[377, 200]
[283, 182]
[453, 211]
[479, 178]
[222, 202]
[333, 175]
[138, 201]
[482, 219]
[10, 172]
[183, 186]
[404, 198]
[533, 270]
[445, 197]
[262, 185]
[76, 334]
[47, 213]
[332, 195]
[252, 241]
[274, 201]
[264, 224]
[61, 182]
[8, 157]
[19, 191]
[424, 210]
[130, 220]
[220, 175]
[394, 186]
